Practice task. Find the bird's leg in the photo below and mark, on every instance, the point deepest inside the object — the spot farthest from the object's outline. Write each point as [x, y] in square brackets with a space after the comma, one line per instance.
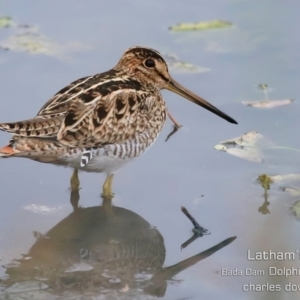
[107, 186]
[75, 181]
[176, 124]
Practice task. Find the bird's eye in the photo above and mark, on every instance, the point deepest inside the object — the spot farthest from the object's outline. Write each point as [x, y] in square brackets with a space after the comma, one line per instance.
[149, 63]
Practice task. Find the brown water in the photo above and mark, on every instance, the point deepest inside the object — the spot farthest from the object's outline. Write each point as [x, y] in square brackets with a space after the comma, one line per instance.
[219, 190]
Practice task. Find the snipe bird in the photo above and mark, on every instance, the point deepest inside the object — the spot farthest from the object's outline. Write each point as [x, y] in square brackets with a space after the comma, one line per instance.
[98, 123]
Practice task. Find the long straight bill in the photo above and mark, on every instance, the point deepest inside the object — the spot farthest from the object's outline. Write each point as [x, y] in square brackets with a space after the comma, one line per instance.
[177, 88]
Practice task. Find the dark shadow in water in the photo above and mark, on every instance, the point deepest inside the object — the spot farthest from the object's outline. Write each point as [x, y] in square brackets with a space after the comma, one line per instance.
[198, 230]
[174, 130]
[264, 209]
[99, 250]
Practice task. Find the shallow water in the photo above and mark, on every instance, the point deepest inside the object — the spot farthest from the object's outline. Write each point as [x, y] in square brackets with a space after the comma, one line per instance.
[219, 190]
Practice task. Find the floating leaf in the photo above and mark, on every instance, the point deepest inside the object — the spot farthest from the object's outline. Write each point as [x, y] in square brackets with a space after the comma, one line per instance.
[288, 180]
[29, 40]
[215, 24]
[263, 86]
[268, 103]
[245, 146]
[250, 146]
[6, 22]
[253, 155]
[275, 180]
[296, 209]
[180, 65]
[249, 139]
[287, 177]
[220, 147]
[292, 191]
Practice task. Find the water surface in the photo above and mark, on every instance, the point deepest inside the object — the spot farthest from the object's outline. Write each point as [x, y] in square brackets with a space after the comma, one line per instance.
[219, 190]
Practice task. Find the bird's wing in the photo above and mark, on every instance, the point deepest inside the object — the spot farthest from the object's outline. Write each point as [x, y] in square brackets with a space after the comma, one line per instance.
[92, 111]
[60, 102]
[107, 119]
[49, 119]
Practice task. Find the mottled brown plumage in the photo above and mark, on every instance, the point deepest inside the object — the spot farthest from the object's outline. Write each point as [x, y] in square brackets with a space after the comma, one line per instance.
[97, 123]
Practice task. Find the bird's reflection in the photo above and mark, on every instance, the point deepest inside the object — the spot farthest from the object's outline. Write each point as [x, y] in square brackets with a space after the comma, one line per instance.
[100, 249]
[198, 230]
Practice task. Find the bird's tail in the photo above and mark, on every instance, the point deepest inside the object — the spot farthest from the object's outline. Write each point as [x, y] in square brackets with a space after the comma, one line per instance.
[36, 127]
[14, 147]
[42, 149]
[7, 151]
